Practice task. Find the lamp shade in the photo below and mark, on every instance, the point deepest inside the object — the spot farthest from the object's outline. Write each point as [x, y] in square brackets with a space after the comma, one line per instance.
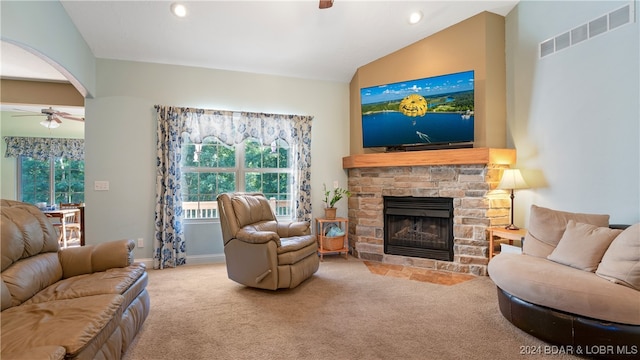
[512, 179]
[49, 124]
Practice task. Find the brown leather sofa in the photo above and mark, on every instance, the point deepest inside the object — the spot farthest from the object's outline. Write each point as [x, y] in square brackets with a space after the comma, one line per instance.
[84, 302]
[260, 251]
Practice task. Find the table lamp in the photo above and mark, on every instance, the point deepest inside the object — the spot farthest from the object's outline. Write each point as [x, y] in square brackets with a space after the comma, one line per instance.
[512, 179]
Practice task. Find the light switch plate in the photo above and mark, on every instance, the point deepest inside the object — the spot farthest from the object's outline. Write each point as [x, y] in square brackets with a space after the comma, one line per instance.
[101, 185]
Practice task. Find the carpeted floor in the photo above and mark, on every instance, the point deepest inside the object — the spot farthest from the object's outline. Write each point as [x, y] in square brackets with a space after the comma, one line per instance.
[345, 311]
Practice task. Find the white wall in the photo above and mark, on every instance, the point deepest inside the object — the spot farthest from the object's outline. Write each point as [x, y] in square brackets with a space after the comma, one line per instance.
[44, 29]
[121, 138]
[574, 116]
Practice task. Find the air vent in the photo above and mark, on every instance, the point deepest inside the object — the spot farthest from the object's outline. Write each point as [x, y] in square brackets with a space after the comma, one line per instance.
[563, 41]
[600, 25]
[580, 33]
[619, 17]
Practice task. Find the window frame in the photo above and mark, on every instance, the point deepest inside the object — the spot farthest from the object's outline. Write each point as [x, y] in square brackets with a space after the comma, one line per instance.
[240, 171]
[51, 180]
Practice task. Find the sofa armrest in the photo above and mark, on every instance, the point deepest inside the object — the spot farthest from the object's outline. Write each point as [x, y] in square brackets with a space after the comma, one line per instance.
[94, 258]
[295, 228]
[257, 237]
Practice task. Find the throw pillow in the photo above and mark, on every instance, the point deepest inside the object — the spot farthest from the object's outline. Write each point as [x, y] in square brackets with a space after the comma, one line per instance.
[621, 262]
[583, 245]
[546, 227]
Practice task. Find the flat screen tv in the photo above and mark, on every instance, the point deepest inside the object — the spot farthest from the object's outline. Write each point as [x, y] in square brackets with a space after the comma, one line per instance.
[430, 113]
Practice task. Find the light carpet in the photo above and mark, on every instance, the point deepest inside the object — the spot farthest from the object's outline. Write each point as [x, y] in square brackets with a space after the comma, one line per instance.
[343, 312]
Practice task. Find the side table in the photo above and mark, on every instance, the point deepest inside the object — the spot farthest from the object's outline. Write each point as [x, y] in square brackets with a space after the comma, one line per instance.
[336, 244]
[501, 232]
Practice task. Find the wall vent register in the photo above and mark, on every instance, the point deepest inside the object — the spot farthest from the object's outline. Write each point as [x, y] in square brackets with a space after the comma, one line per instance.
[602, 24]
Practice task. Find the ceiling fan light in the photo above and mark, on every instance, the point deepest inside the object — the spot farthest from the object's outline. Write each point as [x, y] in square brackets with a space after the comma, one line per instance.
[49, 124]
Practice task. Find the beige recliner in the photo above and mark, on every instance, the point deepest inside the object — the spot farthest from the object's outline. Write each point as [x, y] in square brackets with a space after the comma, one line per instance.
[260, 251]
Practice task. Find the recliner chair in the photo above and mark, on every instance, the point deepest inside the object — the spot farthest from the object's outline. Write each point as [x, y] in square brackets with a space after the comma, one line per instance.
[260, 251]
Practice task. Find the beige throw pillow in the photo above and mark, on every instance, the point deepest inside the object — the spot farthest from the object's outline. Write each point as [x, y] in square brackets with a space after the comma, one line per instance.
[546, 227]
[583, 245]
[621, 262]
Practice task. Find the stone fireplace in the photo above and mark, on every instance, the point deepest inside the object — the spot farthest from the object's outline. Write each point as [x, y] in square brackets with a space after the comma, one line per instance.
[465, 176]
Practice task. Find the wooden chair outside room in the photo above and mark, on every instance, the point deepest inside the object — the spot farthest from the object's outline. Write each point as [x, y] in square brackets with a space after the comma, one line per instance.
[75, 225]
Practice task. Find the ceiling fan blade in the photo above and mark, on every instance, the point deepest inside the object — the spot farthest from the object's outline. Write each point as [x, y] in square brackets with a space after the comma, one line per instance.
[325, 4]
[69, 117]
[55, 118]
[26, 111]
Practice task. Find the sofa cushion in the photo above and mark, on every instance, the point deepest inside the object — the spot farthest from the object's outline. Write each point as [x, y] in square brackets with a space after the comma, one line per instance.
[251, 208]
[546, 283]
[27, 277]
[621, 262]
[583, 245]
[74, 324]
[25, 232]
[546, 227]
[51, 352]
[112, 281]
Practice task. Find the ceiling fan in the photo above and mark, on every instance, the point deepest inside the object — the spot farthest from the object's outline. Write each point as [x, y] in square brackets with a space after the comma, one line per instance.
[325, 4]
[53, 117]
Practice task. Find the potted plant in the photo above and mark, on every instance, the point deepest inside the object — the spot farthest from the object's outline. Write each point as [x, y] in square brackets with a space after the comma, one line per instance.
[330, 199]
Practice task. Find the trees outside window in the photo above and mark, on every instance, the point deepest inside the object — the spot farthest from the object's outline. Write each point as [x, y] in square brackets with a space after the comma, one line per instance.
[212, 168]
[54, 181]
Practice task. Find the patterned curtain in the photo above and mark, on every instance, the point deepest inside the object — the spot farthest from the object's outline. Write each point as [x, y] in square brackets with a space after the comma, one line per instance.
[169, 248]
[231, 128]
[44, 148]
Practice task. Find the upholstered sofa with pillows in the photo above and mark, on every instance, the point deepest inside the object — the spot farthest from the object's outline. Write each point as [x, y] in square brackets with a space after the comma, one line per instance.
[576, 284]
[84, 302]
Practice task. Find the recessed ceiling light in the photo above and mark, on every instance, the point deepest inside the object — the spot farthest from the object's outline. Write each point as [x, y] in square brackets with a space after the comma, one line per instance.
[179, 10]
[415, 17]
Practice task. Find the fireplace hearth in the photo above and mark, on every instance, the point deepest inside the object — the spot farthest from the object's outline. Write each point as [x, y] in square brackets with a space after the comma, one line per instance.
[419, 227]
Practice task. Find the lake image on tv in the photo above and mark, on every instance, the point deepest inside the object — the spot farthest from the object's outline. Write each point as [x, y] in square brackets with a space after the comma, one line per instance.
[433, 110]
[395, 128]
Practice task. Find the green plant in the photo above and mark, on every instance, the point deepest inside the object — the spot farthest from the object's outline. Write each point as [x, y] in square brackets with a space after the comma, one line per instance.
[338, 193]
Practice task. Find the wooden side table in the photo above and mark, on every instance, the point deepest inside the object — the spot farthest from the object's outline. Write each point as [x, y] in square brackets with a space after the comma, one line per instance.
[501, 232]
[332, 245]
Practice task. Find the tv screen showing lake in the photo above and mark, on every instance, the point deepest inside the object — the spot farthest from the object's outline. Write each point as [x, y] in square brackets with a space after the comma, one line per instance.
[435, 110]
[393, 128]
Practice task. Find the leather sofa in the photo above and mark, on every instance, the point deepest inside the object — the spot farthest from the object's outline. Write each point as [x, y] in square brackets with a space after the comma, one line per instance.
[84, 302]
[259, 250]
[576, 285]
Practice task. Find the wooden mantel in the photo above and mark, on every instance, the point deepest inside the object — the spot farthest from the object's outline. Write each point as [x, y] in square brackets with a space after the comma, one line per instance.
[432, 157]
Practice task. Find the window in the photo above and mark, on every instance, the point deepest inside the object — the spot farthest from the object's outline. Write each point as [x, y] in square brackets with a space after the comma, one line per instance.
[54, 181]
[212, 168]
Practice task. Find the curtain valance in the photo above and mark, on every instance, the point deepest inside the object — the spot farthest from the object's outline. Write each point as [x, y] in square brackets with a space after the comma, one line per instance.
[44, 148]
[233, 128]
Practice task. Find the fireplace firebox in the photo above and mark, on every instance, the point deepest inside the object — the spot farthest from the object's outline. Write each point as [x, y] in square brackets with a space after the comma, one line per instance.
[419, 227]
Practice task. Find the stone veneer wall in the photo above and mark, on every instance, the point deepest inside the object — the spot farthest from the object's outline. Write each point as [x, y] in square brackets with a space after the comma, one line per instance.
[476, 207]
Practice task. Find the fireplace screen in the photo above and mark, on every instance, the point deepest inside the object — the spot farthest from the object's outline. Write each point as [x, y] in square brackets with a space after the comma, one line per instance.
[419, 227]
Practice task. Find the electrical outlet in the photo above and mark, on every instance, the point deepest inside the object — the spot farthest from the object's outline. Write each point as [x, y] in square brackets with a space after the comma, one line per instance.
[140, 242]
[335, 184]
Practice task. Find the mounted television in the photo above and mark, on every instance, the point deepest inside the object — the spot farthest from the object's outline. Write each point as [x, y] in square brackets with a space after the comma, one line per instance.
[430, 113]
